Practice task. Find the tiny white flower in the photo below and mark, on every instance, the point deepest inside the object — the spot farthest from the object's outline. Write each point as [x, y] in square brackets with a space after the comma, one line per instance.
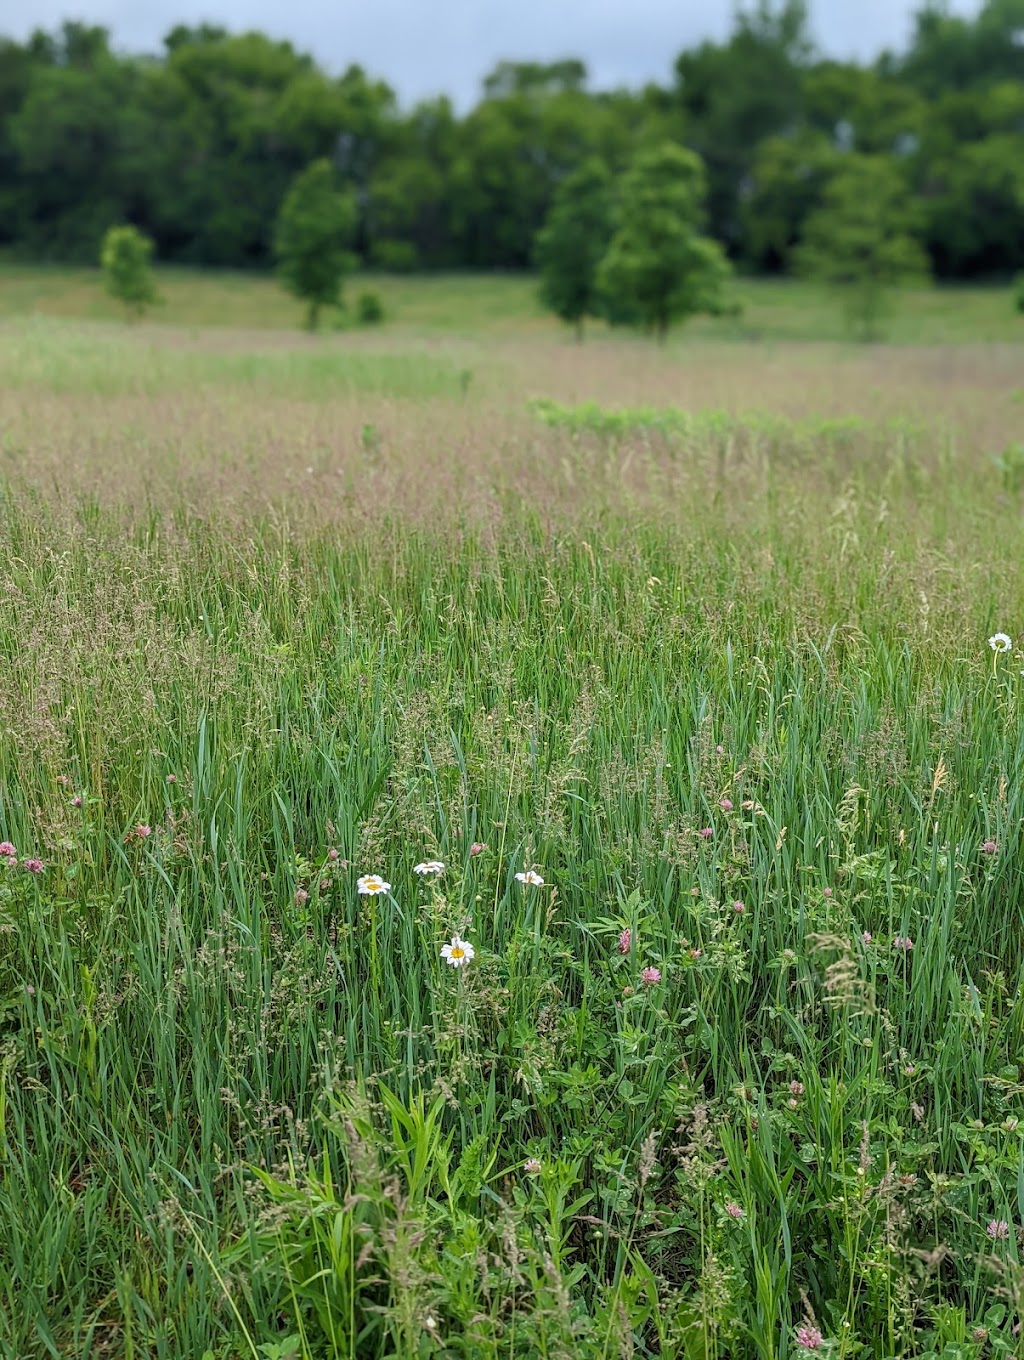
[371, 885]
[531, 879]
[999, 642]
[429, 866]
[458, 953]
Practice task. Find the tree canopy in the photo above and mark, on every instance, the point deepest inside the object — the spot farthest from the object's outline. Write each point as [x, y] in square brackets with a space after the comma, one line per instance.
[197, 145]
[659, 268]
[314, 230]
[573, 242]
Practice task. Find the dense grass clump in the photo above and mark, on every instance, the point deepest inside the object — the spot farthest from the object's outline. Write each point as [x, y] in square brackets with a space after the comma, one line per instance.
[741, 1077]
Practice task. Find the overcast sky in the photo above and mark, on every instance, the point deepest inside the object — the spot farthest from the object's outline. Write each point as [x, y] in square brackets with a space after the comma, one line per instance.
[425, 47]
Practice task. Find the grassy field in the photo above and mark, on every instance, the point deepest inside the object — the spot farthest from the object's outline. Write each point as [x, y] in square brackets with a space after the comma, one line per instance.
[697, 637]
[504, 304]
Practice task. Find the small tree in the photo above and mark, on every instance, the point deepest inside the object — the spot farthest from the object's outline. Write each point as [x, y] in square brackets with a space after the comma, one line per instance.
[572, 243]
[860, 240]
[125, 259]
[659, 268]
[314, 228]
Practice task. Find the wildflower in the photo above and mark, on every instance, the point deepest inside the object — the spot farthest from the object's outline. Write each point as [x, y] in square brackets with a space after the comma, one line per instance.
[696, 953]
[866, 936]
[826, 892]
[903, 942]
[433, 867]
[706, 832]
[998, 1229]
[142, 830]
[917, 1111]
[76, 802]
[530, 879]
[720, 750]
[999, 642]
[739, 908]
[477, 848]
[650, 976]
[625, 942]
[792, 1103]
[909, 1070]
[796, 1088]
[458, 953]
[430, 1323]
[11, 861]
[34, 866]
[725, 804]
[1010, 1123]
[809, 1338]
[989, 847]
[7, 849]
[532, 1166]
[172, 779]
[332, 854]
[748, 805]
[301, 897]
[908, 1180]
[979, 1334]
[372, 885]
[734, 1211]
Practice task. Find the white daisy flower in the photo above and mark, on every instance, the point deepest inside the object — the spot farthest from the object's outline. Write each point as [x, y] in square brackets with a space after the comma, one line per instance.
[429, 866]
[371, 885]
[458, 953]
[531, 879]
[999, 642]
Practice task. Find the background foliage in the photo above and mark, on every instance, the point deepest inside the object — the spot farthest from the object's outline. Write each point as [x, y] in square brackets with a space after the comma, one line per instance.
[196, 146]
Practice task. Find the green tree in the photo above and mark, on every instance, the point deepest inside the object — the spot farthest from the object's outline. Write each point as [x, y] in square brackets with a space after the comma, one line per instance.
[125, 259]
[573, 242]
[659, 268]
[787, 183]
[734, 94]
[861, 240]
[314, 229]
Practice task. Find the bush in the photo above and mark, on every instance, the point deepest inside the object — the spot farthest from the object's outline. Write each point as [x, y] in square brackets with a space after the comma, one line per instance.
[1018, 293]
[370, 309]
[396, 257]
[125, 259]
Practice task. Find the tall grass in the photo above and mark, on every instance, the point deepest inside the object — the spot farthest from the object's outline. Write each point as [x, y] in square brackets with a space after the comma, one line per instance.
[750, 737]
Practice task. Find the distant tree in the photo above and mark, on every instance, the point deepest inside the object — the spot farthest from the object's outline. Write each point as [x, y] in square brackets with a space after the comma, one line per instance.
[533, 77]
[734, 94]
[787, 183]
[314, 229]
[659, 268]
[125, 259]
[861, 240]
[573, 242]
[1018, 293]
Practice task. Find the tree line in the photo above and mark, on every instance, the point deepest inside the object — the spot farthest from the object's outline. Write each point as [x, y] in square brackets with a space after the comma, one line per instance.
[197, 146]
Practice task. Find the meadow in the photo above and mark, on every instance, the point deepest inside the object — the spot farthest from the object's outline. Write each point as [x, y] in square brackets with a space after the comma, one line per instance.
[678, 661]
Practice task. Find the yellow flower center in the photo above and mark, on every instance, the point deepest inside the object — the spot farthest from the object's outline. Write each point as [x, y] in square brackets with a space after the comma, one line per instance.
[458, 953]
